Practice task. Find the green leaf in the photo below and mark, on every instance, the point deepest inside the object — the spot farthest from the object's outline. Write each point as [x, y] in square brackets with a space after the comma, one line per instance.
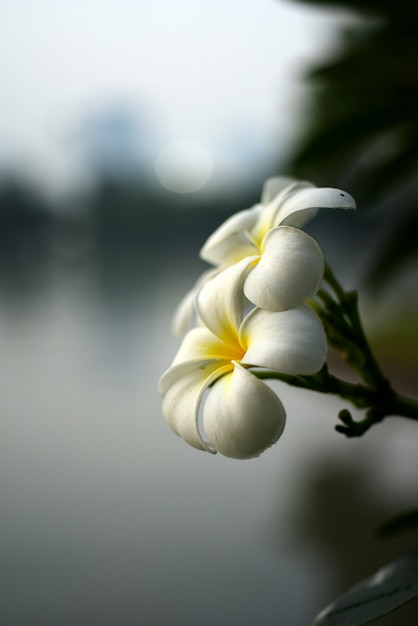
[390, 587]
[399, 523]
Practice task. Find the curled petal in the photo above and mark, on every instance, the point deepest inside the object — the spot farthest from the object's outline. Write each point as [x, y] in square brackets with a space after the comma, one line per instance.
[289, 271]
[179, 370]
[184, 313]
[242, 416]
[270, 216]
[290, 342]
[230, 242]
[273, 186]
[183, 387]
[301, 206]
[220, 302]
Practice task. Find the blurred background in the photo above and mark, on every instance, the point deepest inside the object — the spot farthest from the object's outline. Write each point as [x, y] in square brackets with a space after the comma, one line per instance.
[128, 132]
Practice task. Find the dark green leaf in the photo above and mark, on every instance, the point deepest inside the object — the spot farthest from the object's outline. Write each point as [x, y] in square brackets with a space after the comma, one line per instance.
[399, 523]
[390, 587]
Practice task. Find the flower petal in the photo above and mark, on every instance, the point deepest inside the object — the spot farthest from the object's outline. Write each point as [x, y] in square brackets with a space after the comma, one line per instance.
[201, 343]
[273, 186]
[220, 302]
[183, 387]
[242, 416]
[301, 206]
[270, 216]
[184, 313]
[290, 342]
[289, 271]
[230, 242]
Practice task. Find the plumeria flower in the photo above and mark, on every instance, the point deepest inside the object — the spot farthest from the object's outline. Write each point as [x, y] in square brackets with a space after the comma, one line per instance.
[285, 265]
[241, 414]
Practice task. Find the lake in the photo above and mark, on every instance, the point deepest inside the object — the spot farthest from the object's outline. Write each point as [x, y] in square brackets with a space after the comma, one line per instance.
[109, 518]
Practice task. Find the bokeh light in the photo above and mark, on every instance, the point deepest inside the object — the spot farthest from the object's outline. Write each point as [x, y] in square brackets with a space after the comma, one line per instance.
[183, 166]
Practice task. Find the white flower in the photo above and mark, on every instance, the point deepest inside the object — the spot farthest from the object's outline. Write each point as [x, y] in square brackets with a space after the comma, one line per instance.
[284, 264]
[242, 416]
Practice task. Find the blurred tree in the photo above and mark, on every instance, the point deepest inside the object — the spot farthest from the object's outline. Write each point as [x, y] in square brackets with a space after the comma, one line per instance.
[25, 222]
[363, 126]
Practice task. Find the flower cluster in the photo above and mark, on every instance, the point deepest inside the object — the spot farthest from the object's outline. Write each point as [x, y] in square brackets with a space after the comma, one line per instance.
[261, 260]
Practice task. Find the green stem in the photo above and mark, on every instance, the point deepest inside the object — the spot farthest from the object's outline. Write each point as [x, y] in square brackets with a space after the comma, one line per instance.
[380, 403]
[338, 310]
[404, 406]
[332, 281]
[344, 327]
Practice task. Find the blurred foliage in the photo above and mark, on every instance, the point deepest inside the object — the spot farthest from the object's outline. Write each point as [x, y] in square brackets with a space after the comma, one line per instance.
[362, 131]
[337, 515]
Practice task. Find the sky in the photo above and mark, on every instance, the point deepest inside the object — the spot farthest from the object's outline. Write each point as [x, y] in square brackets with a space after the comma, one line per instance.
[226, 74]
